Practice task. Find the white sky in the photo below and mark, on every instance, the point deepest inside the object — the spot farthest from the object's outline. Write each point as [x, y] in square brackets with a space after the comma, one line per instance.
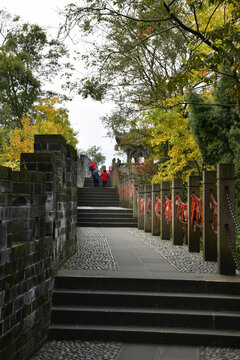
[84, 115]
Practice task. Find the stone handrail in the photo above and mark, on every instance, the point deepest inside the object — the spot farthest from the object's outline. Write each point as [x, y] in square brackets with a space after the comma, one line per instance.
[196, 229]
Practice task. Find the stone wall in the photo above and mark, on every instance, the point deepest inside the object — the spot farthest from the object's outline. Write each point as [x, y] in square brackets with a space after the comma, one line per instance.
[83, 169]
[38, 221]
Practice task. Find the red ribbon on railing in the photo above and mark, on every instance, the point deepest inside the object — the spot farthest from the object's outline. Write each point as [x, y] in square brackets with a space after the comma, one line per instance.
[168, 209]
[213, 206]
[131, 190]
[157, 208]
[182, 210]
[149, 205]
[196, 211]
[142, 203]
[137, 196]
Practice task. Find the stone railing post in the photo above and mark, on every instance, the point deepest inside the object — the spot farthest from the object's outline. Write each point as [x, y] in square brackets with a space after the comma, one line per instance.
[177, 232]
[147, 208]
[193, 231]
[225, 180]
[141, 207]
[164, 227]
[121, 189]
[131, 190]
[155, 219]
[209, 237]
[128, 192]
[135, 198]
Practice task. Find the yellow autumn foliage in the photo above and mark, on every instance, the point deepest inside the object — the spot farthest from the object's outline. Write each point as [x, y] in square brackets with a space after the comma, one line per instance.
[50, 120]
[170, 128]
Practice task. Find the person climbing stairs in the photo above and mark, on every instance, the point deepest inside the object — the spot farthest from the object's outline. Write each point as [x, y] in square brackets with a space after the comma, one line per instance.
[99, 207]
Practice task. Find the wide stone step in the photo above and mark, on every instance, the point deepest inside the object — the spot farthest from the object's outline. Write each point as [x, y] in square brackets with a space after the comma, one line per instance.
[97, 195]
[108, 218]
[98, 203]
[137, 334]
[98, 189]
[146, 317]
[107, 224]
[93, 283]
[90, 183]
[98, 192]
[93, 198]
[165, 300]
[189, 311]
[94, 215]
[102, 210]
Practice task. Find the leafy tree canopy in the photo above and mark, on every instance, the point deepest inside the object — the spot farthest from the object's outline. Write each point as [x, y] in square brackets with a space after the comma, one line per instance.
[147, 57]
[28, 59]
[95, 153]
[150, 50]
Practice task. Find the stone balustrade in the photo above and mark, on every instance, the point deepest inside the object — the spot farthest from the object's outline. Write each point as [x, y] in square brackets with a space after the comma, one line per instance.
[194, 215]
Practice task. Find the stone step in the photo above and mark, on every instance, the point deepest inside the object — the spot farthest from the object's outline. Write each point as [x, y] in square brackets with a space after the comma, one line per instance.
[94, 283]
[107, 218]
[138, 334]
[107, 224]
[97, 194]
[97, 203]
[92, 198]
[97, 190]
[104, 215]
[106, 210]
[166, 300]
[149, 317]
[90, 183]
[171, 311]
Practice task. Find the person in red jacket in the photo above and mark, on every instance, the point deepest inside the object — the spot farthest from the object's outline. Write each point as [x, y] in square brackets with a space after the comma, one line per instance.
[104, 176]
[93, 166]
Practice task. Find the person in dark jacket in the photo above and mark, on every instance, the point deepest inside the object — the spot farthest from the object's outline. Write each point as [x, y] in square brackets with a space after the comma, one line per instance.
[105, 176]
[95, 175]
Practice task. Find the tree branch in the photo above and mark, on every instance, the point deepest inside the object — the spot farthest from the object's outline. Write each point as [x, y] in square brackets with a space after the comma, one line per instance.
[188, 29]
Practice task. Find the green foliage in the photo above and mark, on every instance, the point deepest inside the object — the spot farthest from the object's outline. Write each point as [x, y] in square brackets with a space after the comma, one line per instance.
[28, 58]
[96, 154]
[91, 87]
[132, 60]
[211, 123]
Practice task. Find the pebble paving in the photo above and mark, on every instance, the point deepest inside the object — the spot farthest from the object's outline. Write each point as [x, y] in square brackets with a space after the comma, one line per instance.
[80, 350]
[94, 253]
[213, 353]
[178, 256]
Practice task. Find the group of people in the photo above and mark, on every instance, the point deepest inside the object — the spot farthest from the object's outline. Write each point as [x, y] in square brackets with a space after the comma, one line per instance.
[95, 174]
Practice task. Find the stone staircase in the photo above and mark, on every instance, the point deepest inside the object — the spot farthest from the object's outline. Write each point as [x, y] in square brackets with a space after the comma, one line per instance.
[98, 206]
[170, 311]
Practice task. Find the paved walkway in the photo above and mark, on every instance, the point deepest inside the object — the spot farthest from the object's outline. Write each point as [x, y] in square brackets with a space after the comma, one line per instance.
[134, 258]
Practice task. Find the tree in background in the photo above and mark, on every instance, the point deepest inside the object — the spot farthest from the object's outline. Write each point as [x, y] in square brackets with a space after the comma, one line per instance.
[133, 61]
[96, 155]
[28, 58]
[149, 55]
[50, 120]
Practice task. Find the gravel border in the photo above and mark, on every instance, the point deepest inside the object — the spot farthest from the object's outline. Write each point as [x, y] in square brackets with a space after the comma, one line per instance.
[94, 252]
[178, 256]
[80, 350]
[214, 353]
